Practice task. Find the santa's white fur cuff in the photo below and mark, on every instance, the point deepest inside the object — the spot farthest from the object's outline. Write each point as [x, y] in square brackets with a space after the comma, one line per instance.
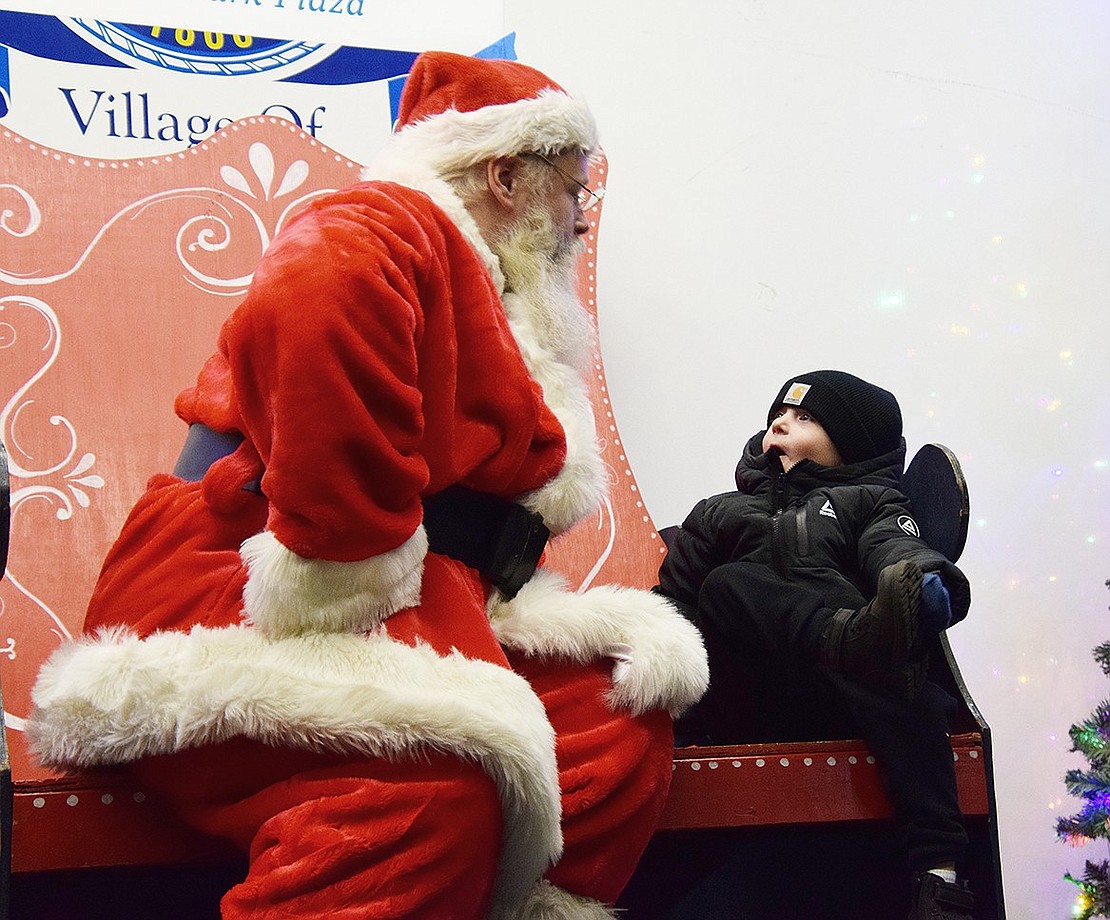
[288, 595]
[662, 660]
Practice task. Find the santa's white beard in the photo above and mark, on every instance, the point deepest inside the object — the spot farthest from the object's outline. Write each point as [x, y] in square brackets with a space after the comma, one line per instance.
[541, 287]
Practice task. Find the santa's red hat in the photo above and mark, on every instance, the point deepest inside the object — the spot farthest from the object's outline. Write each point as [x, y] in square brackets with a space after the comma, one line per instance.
[457, 110]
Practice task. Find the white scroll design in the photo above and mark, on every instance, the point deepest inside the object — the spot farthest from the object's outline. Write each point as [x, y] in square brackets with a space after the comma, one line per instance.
[34, 215]
[22, 464]
[20, 459]
[605, 516]
[209, 231]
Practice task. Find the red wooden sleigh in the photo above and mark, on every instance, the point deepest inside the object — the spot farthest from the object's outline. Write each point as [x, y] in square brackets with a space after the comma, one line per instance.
[103, 246]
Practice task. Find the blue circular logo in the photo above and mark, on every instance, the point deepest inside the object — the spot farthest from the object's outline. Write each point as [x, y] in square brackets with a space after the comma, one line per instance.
[193, 50]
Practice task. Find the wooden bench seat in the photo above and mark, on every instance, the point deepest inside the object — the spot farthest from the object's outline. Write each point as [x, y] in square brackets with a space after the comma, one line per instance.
[797, 783]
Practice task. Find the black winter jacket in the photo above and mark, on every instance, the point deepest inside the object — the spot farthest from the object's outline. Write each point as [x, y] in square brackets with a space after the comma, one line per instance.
[831, 528]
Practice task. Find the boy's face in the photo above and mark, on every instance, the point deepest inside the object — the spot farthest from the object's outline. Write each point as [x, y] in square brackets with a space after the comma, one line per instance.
[796, 435]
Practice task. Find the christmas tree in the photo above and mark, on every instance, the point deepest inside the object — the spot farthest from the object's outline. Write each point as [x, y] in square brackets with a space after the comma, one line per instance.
[1091, 738]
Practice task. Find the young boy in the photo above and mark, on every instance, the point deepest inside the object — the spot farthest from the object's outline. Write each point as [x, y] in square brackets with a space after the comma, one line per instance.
[812, 585]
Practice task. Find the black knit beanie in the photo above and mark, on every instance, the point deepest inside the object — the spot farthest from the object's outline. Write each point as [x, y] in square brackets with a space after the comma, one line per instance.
[862, 420]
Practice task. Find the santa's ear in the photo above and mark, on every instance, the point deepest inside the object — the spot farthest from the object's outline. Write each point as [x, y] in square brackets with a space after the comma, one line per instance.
[503, 179]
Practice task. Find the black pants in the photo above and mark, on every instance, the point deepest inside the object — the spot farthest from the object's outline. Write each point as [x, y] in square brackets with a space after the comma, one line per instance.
[766, 686]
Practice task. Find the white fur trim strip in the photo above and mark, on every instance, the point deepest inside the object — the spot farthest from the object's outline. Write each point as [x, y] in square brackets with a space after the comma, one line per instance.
[548, 123]
[548, 902]
[287, 595]
[115, 697]
[661, 657]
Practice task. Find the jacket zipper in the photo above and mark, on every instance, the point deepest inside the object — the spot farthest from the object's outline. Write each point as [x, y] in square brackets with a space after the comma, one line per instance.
[778, 502]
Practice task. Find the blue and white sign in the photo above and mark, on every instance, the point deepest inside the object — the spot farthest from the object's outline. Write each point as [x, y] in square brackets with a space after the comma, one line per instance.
[121, 90]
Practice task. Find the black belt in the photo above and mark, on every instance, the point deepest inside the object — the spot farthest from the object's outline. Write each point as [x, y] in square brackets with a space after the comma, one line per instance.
[498, 537]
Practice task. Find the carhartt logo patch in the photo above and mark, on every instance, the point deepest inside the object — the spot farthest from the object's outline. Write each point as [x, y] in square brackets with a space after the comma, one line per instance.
[795, 393]
[827, 510]
[909, 525]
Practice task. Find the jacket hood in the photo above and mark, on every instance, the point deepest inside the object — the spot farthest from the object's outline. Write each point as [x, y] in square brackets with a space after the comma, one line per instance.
[757, 470]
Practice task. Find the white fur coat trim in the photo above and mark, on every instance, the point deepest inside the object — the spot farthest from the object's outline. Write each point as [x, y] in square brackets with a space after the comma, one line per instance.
[548, 902]
[287, 595]
[659, 654]
[113, 698]
[548, 123]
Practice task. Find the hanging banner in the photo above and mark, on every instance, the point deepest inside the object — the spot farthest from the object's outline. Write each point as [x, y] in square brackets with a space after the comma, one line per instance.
[118, 90]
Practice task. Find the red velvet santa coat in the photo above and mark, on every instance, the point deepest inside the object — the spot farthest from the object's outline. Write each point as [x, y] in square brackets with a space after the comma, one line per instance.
[370, 364]
[373, 362]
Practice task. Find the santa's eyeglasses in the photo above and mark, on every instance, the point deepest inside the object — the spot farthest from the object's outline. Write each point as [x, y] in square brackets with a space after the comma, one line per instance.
[587, 198]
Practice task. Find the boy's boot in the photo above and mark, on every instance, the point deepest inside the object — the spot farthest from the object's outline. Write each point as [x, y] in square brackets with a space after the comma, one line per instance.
[936, 899]
[879, 644]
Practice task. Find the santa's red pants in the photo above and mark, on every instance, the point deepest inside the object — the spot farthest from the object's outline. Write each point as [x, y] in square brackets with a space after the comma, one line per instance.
[419, 838]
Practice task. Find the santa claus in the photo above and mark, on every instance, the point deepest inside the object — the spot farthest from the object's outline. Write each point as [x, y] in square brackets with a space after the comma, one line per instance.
[325, 636]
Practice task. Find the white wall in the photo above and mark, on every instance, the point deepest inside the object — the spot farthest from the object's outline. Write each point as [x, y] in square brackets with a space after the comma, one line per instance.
[917, 193]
